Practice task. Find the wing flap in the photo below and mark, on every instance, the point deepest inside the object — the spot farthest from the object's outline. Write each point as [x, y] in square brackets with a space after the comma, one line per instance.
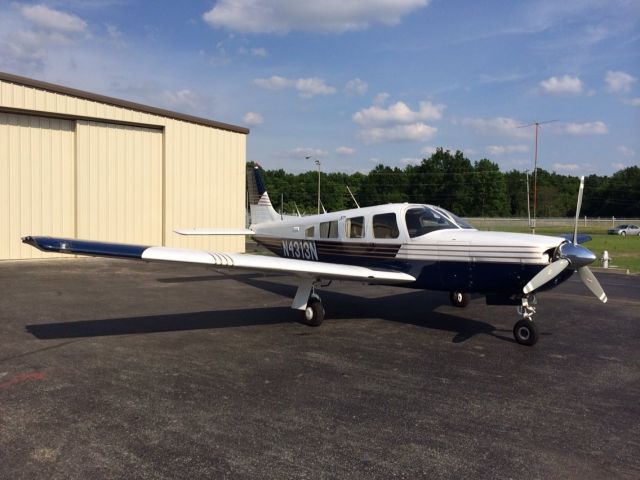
[305, 268]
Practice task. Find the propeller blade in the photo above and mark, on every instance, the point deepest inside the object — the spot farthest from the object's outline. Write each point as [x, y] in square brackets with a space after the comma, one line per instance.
[578, 207]
[545, 275]
[589, 279]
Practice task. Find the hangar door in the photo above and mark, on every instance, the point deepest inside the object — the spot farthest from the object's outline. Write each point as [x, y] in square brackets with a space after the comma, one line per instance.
[119, 183]
[36, 181]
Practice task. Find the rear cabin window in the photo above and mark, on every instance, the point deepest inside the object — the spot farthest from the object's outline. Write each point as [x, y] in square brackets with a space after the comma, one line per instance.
[329, 229]
[355, 227]
[385, 226]
[310, 232]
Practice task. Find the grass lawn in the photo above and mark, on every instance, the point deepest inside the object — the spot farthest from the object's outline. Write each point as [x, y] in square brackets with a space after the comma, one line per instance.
[624, 251]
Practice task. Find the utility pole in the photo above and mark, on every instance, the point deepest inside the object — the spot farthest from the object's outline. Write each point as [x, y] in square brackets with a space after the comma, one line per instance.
[535, 171]
[317, 162]
[528, 207]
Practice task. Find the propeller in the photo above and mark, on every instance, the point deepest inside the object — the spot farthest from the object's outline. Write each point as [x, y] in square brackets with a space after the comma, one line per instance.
[570, 254]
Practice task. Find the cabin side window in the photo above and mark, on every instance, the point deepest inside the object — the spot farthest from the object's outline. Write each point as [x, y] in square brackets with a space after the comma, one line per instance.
[385, 226]
[354, 227]
[329, 229]
[310, 232]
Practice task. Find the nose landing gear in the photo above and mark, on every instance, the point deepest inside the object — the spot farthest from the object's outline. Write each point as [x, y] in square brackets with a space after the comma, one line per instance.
[525, 331]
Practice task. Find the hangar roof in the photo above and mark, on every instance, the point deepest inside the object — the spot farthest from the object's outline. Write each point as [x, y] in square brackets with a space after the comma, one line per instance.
[51, 87]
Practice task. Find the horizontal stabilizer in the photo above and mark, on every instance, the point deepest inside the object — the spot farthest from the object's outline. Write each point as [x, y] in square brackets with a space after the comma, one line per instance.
[214, 231]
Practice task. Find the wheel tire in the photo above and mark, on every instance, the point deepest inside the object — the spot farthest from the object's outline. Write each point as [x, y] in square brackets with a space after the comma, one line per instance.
[313, 315]
[525, 332]
[623, 233]
[459, 299]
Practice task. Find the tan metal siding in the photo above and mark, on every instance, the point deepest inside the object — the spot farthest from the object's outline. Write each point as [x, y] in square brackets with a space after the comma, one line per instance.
[119, 181]
[204, 185]
[36, 181]
[204, 169]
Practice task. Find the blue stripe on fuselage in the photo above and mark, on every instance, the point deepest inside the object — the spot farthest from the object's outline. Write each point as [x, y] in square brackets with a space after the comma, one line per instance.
[85, 247]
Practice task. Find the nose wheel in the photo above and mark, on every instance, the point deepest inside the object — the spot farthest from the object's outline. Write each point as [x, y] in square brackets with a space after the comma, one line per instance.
[525, 330]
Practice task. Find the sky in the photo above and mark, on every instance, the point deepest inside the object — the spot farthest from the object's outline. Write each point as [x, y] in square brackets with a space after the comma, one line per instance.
[355, 83]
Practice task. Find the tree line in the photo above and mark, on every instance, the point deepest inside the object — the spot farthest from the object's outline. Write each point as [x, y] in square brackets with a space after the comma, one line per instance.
[452, 181]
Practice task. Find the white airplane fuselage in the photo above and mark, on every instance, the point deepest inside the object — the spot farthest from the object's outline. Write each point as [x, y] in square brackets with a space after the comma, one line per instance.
[443, 253]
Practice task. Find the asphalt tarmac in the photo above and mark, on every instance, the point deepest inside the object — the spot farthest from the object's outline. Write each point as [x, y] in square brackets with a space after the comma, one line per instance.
[116, 369]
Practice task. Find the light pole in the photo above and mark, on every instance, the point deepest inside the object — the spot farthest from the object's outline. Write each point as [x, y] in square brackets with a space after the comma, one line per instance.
[317, 162]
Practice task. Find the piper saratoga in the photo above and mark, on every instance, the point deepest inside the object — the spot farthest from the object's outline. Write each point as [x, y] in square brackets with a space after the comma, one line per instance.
[409, 245]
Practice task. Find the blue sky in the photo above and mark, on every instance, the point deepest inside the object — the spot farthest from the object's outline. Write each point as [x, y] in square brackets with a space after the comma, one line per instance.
[355, 83]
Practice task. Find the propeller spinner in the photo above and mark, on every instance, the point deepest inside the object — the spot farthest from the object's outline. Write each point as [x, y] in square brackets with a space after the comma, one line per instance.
[570, 255]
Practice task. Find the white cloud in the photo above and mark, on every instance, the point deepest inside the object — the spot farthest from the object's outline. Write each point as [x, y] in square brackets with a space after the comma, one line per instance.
[302, 152]
[566, 167]
[183, 99]
[259, 52]
[381, 98]
[345, 151]
[625, 151]
[399, 112]
[252, 119]
[502, 149]
[588, 128]
[50, 19]
[498, 125]
[411, 161]
[356, 87]
[329, 16]
[619, 82]
[619, 166]
[560, 85]
[306, 87]
[634, 102]
[415, 132]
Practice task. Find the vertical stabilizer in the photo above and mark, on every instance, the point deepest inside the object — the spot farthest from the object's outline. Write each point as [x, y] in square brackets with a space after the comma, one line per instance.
[259, 203]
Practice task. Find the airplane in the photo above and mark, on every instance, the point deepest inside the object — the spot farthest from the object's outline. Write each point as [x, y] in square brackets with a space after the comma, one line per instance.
[411, 245]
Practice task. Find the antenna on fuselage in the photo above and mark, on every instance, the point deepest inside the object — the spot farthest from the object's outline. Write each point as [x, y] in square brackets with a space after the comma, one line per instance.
[323, 209]
[296, 206]
[354, 198]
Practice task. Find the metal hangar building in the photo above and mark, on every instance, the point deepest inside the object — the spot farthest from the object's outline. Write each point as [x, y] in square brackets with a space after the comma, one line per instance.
[80, 165]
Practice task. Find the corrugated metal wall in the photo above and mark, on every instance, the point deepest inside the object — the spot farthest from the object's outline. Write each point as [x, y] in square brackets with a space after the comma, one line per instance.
[36, 181]
[119, 183]
[119, 175]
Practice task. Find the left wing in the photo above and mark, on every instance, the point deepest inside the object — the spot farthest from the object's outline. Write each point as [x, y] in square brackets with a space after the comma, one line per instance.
[304, 268]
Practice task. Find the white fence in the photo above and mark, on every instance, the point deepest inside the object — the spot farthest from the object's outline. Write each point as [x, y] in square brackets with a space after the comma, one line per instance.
[603, 223]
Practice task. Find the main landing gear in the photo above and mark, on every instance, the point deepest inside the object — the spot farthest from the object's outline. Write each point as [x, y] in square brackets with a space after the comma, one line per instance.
[309, 303]
[313, 315]
[525, 331]
[459, 299]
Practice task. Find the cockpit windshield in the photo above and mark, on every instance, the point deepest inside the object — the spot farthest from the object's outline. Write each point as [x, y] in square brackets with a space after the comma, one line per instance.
[461, 223]
[425, 219]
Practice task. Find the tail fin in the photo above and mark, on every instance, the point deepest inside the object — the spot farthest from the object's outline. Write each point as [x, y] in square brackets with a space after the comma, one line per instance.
[259, 203]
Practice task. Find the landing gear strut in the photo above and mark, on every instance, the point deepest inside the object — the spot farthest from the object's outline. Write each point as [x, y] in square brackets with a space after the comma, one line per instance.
[525, 331]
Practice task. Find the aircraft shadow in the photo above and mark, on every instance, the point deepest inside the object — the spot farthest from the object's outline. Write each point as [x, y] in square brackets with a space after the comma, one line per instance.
[414, 307]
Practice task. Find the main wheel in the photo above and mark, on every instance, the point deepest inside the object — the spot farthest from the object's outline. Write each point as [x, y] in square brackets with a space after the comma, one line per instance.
[525, 332]
[459, 299]
[313, 315]
[623, 233]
